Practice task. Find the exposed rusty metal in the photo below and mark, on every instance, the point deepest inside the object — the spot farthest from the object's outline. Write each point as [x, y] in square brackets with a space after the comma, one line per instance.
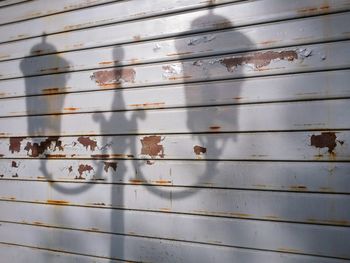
[37, 149]
[111, 77]
[14, 164]
[84, 168]
[71, 109]
[151, 146]
[87, 142]
[313, 9]
[325, 139]
[15, 144]
[198, 150]
[214, 128]
[54, 90]
[259, 59]
[113, 165]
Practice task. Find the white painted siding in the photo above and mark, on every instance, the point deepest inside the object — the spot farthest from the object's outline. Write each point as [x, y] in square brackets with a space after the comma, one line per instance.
[175, 131]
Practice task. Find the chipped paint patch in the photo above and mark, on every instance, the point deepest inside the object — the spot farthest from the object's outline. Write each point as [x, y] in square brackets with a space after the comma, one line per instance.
[200, 40]
[259, 59]
[37, 149]
[325, 140]
[114, 76]
[169, 71]
[198, 150]
[151, 146]
[107, 165]
[87, 142]
[82, 169]
[15, 144]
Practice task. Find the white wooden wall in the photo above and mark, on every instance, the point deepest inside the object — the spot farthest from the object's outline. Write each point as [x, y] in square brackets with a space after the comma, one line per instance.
[175, 131]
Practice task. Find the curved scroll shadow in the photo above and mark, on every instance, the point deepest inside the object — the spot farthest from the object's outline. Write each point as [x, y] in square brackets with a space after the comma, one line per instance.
[52, 124]
[209, 142]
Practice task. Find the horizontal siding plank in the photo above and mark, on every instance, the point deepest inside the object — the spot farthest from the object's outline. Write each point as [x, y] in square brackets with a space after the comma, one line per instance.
[311, 145]
[331, 241]
[306, 58]
[282, 176]
[321, 85]
[315, 29]
[36, 8]
[239, 14]
[317, 208]
[118, 11]
[6, 3]
[15, 253]
[330, 114]
[142, 249]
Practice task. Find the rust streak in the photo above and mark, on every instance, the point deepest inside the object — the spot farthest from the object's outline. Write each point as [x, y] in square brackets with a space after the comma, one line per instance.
[199, 150]
[71, 109]
[151, 146]
[214, 128]
[87, 142]
[57, 202]
[148, 105]
[163, 182]
[259, 59]
[55, 155]
[136, 181]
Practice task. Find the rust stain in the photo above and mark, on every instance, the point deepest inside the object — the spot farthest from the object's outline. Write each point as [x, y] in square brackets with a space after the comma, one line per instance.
[137, 38]
[71, 109]
[84, 168]
[87, 142]
[100, 156]
[149, 162]
[298, 187]
[163, 182]
[38, 223]
[214, 128]
[325, 139]
[14, 164]
[136, 181]
[151, 146]
[53, 90]
[177, 78]
[39, 148]
[313, 9]
[103, 204]
[259, 59]
[113, 165]
[114, 76]
[15, 144]
[57, 202]
[268, 42]
[199, 150]
[178, 54]
[55, 155]
[50, 69]
[106, 63]
[148, 105]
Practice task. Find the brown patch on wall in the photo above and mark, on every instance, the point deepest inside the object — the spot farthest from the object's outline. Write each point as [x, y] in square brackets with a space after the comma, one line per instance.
[15, 144]
[114, 76]
[39, 148]
[113, 165]
[87, 142]
[14, 164]
[199, 150]
[84, 168]
[53, 90]
[259, 59]
[151, 146]
[325, 139]
[314, 9]
[71, 109]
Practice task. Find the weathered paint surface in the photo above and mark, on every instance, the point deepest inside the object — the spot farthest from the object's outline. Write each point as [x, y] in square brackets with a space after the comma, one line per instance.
[174, 131]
